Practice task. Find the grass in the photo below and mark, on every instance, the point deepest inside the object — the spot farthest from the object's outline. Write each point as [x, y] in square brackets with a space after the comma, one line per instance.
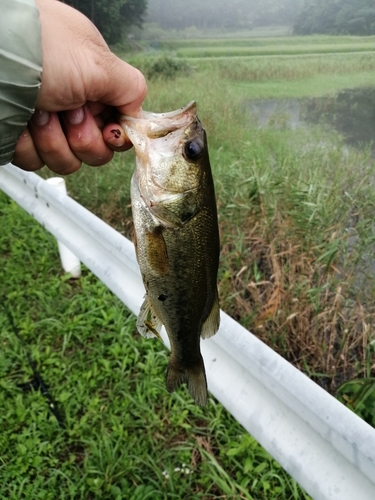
[296, 207]
[296, 211]
[281, 49]
[123, 435]
[266, 46]
[234, 79]
[270, 41]
[316, 86]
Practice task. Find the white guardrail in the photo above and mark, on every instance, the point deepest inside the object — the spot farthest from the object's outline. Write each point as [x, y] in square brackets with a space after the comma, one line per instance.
[328, 450]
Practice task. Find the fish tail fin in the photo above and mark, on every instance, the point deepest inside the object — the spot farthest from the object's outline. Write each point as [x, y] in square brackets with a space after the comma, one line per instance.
[194, 377]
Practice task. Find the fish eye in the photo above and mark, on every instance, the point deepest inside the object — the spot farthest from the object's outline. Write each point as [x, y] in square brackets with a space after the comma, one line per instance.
[193, 150]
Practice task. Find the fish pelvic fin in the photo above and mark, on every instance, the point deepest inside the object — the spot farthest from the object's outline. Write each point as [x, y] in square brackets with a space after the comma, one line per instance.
[194, 377]
[212, 322]
[148, 323]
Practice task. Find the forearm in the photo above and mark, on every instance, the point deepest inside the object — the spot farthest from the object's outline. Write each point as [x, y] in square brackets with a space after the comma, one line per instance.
[20, 70]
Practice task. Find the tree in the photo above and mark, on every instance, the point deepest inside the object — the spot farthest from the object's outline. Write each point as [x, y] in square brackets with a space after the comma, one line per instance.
[112, 17]
[335, 17]
[182, 14]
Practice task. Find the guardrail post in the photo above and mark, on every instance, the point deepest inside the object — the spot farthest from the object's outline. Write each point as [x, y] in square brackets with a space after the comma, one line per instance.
[70, 262]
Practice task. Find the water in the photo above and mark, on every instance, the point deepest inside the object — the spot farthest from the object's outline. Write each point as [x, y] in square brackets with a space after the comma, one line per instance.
[350, 112]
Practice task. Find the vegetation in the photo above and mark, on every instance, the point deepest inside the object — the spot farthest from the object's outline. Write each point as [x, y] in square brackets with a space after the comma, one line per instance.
[165, 67]
[296, 211]
[295, 206]
[334, 17]
[209, 14]
[120, 435]
[112, 17]
[265, 46]
[352, 17]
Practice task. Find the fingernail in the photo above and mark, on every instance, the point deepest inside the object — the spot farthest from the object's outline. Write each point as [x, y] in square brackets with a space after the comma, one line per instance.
[75, 116]
[40, 118]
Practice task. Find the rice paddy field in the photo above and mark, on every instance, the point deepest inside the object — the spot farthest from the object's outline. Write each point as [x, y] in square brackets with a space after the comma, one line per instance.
[296, 203]
[212, 48]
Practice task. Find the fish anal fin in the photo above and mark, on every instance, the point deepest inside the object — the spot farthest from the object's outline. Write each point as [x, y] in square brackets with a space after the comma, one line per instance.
[157, 256]
[148, 323]
[212, 322]
[194, 377]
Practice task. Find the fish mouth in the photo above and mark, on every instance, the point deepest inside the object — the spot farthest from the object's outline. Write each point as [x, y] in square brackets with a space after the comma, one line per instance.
[158, 140]
[190, 107]
[156, 125]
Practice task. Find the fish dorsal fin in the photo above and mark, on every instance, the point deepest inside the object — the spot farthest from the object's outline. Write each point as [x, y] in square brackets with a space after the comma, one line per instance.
[148, 323]
[212, 322]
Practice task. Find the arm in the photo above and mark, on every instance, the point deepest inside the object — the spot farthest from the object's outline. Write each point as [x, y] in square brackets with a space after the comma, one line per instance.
[20, 70]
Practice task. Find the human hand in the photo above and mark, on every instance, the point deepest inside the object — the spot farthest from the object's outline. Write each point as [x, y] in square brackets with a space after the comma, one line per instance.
[83, 85]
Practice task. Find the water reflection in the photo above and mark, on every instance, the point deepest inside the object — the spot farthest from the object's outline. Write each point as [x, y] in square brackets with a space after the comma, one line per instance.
[350, 112]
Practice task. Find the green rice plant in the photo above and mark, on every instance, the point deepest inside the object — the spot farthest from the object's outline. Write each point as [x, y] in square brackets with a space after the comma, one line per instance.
[245, 40]
[293, 68]
[279, 50]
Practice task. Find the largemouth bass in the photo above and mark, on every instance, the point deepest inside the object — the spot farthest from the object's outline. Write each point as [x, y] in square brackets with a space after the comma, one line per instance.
[177, 238]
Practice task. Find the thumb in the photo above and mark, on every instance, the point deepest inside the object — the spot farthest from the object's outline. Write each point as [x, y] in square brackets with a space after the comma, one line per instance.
[126, 89]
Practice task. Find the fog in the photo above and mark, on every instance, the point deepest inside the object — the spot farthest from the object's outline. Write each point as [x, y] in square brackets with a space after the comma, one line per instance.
[213, 14]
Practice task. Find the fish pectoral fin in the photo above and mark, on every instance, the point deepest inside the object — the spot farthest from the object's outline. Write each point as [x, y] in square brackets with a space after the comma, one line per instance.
[212, 322]
[148, 323]
[194, 377]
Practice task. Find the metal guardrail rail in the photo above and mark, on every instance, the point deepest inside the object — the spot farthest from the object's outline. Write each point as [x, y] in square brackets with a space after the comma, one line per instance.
[327, 449]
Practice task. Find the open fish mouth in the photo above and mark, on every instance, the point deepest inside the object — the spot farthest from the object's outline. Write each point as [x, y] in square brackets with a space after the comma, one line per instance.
[159, 140]
[155, 125]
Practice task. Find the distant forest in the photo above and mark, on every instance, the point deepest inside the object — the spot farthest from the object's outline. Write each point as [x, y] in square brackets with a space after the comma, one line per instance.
[305, 17]
[336, 17]
[237, 14]
[111, 17]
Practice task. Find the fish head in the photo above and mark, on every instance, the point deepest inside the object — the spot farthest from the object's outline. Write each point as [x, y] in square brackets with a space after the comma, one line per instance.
[170, 153]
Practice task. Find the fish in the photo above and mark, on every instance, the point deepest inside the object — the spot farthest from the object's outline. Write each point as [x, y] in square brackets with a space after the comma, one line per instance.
[176, 238]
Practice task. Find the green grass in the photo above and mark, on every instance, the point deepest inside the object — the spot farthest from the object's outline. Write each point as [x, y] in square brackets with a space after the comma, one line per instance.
[266, 46]
[232, 79]
[293, 41]
[124, 435]
[296, 207]
[289, 201]
[296, 211]
[282, 50]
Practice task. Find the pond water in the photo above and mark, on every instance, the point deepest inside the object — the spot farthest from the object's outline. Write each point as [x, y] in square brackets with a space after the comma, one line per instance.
[350, 112]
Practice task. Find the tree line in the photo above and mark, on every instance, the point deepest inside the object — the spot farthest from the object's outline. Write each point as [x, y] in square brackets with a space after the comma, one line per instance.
[182, 14]
[114, 17]
[336, 17]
